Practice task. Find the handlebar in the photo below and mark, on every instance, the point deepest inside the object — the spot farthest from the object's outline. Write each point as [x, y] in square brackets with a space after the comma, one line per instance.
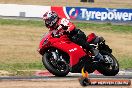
[58, 32]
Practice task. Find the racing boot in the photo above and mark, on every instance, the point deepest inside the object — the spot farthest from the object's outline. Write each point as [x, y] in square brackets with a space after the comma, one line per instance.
[96, 55]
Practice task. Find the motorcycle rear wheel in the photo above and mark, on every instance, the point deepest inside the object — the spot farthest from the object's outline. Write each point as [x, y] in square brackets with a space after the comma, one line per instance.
[51, 68]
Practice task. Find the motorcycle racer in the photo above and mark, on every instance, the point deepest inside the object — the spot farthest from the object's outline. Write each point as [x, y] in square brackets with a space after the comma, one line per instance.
[52, 21]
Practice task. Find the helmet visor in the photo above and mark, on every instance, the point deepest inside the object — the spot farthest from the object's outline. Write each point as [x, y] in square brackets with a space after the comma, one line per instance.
[51, 21]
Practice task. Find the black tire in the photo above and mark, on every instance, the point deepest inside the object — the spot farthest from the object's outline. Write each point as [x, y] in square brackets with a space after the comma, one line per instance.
[105, 69]
[52, 69]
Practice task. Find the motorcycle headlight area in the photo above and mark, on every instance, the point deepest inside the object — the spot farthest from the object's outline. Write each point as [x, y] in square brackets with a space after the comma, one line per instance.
[45, 42]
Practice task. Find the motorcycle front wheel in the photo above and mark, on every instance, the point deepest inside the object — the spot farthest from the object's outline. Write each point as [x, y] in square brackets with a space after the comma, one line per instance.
[109, 67]
[57, 67]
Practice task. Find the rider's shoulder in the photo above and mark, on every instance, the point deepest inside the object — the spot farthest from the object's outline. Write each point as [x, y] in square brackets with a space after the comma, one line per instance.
[63, 19]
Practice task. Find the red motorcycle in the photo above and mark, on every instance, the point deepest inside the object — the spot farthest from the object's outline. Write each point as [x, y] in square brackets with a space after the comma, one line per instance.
[61, 56]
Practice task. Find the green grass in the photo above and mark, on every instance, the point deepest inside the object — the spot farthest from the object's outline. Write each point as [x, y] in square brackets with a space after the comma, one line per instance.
[125, 62]
[105, 27]
[81, 25]
[31, 23]
[21, 66]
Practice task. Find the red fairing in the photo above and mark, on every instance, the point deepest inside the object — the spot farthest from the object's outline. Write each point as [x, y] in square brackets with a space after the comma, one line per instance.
[63, 43]
[45, 37]
[91, 37]
[73, 50]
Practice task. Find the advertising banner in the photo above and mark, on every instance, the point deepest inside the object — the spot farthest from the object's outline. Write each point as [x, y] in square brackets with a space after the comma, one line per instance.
[120, 15]
[96, 14]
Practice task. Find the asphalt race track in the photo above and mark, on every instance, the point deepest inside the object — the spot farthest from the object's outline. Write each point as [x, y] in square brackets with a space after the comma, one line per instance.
[70, 81]
[69, 77]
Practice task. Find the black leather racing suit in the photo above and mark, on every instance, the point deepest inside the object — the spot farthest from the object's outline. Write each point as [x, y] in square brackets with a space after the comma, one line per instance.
[77, 36]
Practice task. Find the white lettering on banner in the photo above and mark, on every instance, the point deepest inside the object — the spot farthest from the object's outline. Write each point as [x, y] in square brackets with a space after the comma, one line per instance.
[83, 12]
[118, 16]
[93, 14]
[88, 14]
[110, 15]
[129, 17]
[104, 16]
[98, 15]
[125, 16]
